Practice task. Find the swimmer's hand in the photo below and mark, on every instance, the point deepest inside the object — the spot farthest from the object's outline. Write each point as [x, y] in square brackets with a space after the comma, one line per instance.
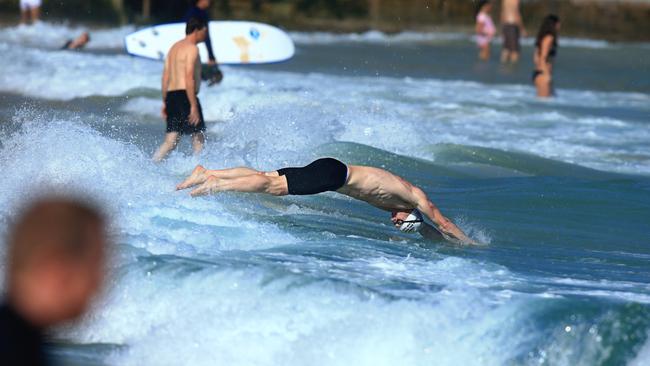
[452, 233]
[211, 74]
[194, 116]
[163, 112]
[461, 240]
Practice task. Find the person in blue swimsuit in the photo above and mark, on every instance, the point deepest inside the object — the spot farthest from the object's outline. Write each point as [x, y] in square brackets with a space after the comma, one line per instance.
[199, 10]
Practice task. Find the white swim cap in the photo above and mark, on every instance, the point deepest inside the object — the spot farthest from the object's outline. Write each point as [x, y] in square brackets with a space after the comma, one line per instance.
[412, 223]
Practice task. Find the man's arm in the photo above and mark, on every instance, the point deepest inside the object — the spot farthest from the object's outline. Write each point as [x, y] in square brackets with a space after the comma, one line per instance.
[208, 44]
[544, 50]
[165, 83]
[190, 85]
[447, 228]
[479, 28]
[520, 20]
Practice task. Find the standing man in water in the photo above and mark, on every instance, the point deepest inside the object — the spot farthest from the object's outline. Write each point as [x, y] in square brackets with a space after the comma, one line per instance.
[199, 10]
[512, 27]
[29, 11]
[181, 81]
[378, 187]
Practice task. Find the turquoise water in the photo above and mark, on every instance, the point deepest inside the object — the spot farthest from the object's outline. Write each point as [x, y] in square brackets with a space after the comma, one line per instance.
[558, 190]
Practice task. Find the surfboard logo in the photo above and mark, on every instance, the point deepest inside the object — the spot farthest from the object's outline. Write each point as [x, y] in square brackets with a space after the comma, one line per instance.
[244, 49]
[255, 34]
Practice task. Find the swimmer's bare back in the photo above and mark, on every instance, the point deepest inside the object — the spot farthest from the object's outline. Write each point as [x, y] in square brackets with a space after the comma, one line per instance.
[183, 59]
[379, 188]
[510, 12]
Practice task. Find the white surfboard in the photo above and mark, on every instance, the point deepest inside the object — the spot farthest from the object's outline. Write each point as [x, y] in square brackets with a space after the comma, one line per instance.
[233, 42]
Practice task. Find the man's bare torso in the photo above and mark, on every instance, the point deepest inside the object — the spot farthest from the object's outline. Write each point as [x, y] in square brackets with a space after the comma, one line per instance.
[379, 188]
[177, 60]
[510, 12]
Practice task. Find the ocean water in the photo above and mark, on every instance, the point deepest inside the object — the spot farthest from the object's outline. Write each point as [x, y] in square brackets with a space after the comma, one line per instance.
[559, 191]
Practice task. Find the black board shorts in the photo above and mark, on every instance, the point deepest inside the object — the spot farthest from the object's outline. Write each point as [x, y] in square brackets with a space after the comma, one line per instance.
[322, 175]
[178, 112]
[511, 37]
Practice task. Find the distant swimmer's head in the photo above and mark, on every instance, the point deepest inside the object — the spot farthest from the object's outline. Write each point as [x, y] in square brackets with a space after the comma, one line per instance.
[407, 221]
[483, 5]
[201, 4]
[198, 26]
[56, 254]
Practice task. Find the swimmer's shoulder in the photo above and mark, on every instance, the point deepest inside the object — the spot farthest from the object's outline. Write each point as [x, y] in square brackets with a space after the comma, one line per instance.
[173, 51]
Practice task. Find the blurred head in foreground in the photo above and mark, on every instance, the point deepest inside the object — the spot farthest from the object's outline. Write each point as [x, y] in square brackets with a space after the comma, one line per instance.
[55, 264]
[55, 260]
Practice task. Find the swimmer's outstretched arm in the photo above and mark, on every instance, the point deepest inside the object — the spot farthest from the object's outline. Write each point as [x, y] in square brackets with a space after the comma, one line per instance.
[447, 228]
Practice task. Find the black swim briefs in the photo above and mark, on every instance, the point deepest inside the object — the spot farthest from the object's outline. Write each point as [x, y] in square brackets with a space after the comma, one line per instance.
[322, 175]
[178, 112]
[511, 37]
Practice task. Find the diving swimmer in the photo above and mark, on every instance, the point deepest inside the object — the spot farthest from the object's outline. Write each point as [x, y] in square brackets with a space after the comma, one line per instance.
[375, 186]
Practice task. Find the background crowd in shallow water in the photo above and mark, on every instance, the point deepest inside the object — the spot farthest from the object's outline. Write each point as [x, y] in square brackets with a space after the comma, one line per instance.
[511, 24]
[546, 41]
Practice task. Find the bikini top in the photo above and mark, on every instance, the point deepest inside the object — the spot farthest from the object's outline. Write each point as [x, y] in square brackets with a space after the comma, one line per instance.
[551, 53]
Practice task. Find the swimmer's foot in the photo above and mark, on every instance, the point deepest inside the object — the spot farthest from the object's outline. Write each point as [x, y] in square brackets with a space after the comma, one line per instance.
[209, 186]
[198, 176]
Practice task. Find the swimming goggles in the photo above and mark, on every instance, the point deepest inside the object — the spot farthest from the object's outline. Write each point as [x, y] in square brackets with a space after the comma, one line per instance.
[400, 222]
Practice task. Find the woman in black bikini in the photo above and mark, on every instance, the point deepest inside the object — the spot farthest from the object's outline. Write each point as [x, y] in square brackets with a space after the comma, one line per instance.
[545, 52]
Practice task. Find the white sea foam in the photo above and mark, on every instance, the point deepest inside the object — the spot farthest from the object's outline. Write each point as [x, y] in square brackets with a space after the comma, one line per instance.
[643, 357]
[165, 312]
[71, 153]
[62, 75]
[301, 110]
[375, 37]
[52, 35]
[294, 323]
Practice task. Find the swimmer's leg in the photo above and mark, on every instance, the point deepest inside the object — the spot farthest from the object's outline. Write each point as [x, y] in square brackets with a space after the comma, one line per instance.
[254, 183]
[35, 13]
[484, 53]
[24, 16]
[505, 56]
[543, 84]
[200, 175]
[514, 57]
[198, 140]
[171, 140]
